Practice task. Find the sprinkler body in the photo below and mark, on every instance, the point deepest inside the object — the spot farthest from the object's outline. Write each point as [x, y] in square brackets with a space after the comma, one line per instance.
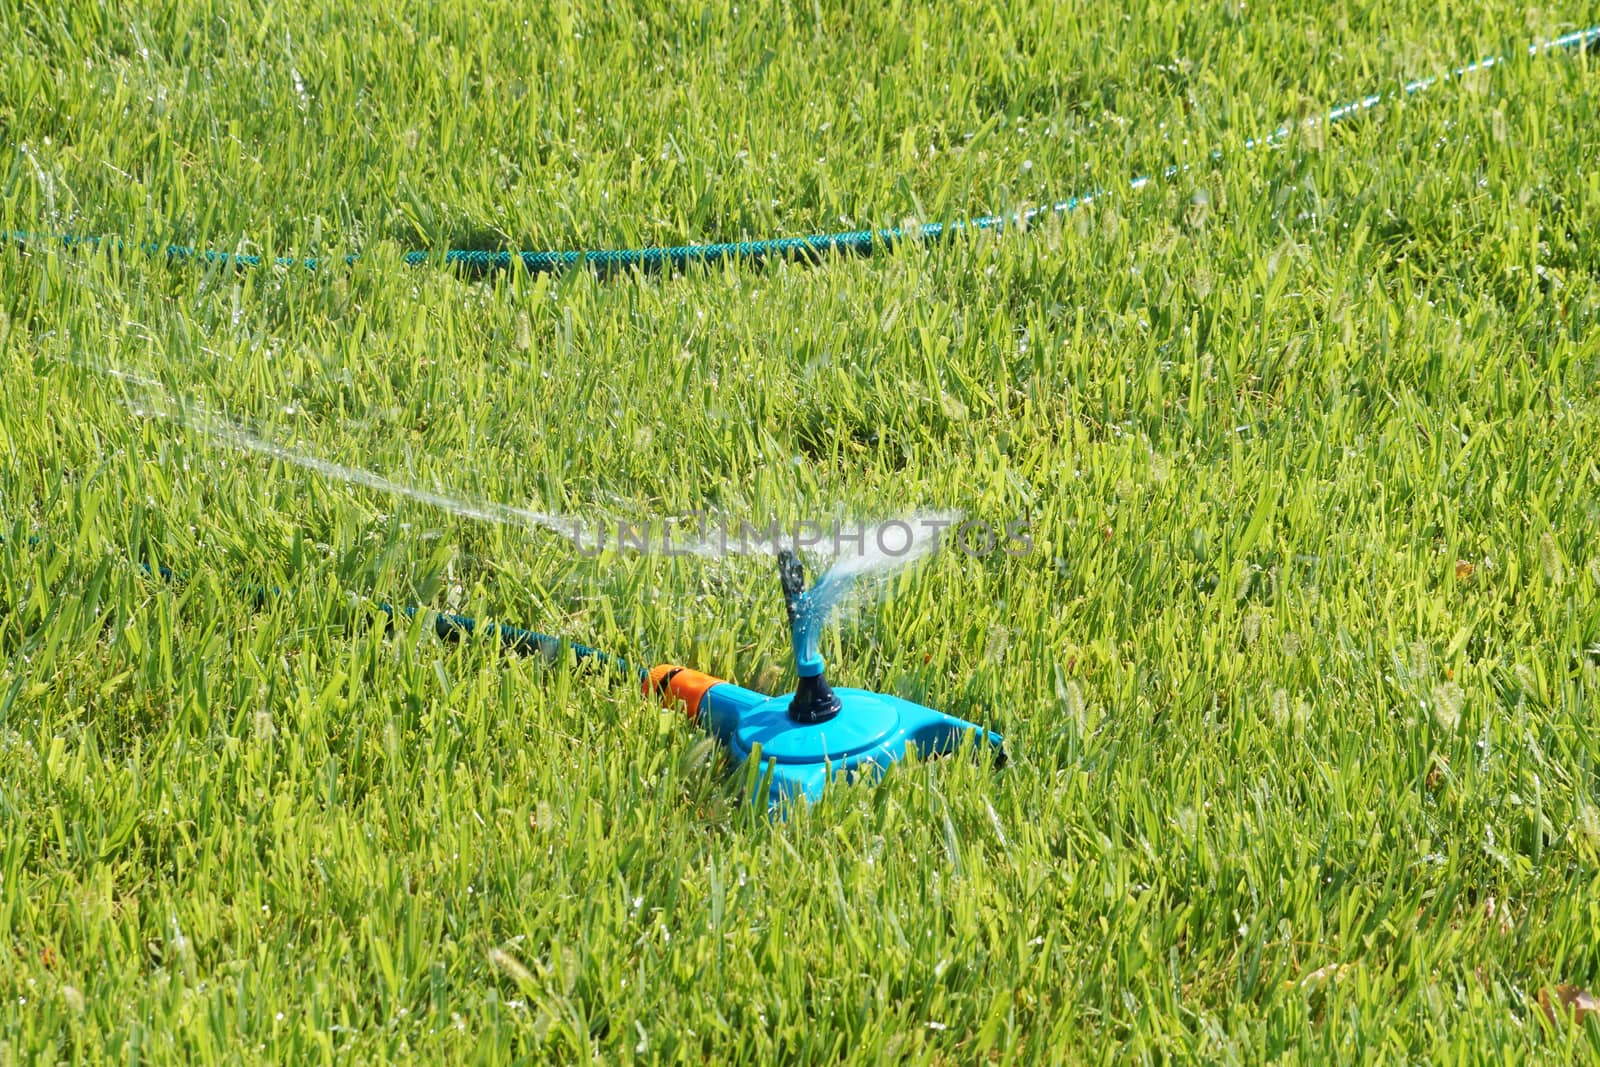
[817, 732]
[868, 732]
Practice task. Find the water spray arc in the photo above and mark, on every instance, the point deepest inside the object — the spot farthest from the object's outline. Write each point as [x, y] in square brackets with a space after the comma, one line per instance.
[803, 739]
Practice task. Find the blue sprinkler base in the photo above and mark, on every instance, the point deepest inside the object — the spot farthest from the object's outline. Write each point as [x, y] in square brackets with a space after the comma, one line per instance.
[871, 731]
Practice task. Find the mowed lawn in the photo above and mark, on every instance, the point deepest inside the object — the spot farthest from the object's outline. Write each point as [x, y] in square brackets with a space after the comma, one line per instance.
[1298, 680]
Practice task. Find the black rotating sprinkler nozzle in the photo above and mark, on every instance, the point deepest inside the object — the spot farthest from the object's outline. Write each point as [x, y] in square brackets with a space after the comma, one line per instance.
[814, 699]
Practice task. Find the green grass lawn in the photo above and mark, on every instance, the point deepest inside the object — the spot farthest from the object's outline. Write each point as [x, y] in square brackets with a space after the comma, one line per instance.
[1299, 679]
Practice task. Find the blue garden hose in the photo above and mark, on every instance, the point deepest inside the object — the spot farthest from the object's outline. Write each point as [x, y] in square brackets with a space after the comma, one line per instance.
[851, 242]
[451, 627]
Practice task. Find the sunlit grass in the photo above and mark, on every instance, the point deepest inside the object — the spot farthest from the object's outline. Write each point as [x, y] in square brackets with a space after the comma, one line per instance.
[1300, 672]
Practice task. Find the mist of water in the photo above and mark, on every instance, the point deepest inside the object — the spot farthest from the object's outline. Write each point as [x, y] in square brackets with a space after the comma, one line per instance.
[878, 555]
[872, 563]
[870, 560]
[241, 439]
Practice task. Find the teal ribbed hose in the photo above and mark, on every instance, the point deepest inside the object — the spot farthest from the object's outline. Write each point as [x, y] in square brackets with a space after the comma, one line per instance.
[859, 242]
[452, 627]
[855, 242]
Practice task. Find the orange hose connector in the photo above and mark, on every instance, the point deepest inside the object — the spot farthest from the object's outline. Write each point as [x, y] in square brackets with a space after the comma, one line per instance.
[683, 686]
